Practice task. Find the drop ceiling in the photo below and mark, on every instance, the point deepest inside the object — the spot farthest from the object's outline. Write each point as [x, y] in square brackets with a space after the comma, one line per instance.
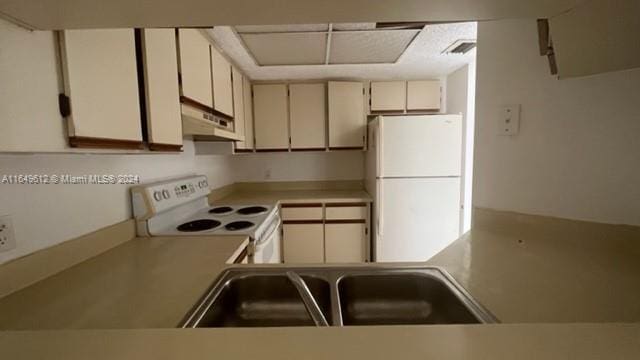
[324, 44]
[344, 50]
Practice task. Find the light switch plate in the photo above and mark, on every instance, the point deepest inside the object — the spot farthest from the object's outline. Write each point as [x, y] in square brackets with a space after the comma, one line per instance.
[509, 122]
[7, 237]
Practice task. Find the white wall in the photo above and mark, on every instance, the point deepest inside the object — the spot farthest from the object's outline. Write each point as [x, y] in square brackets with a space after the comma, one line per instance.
[578, 152]
[44, 215]
[460, 98]
[340, 165]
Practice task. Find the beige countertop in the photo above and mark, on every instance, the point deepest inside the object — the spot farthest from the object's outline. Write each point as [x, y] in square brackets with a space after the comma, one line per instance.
[143, 283]
[295, 196]
[547, 279]
[495, 342]
[153, 282]
[588, 288]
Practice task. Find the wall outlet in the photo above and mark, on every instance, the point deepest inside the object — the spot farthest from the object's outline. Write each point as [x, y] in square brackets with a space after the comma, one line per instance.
[7, 237]
[509, 122]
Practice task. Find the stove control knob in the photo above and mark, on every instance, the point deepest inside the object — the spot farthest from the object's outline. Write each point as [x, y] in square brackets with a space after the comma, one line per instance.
[157, 195]
[165, 194]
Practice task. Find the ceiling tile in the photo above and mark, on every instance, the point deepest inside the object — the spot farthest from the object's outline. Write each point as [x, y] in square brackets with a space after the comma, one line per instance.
[282, 28]
[354, 26]
[287, 48]
[369, 47]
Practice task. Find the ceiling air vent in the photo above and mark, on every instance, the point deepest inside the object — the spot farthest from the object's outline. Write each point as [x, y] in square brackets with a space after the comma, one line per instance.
[460, 47]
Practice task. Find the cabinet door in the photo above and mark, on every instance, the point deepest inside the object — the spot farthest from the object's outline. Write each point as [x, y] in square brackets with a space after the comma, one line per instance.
[222, 84]
[164, 123]
[101, 80]
[388, 96]
[195, 66]
[423, 95]
[238, 102]
[346, 115]
[308, 114]
[270, 113]
[303, 243]
[345, 242]
[247, 144]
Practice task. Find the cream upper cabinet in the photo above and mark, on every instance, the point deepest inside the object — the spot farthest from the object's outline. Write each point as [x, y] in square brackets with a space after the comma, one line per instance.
[347, 120]
[270, 116]
[222, 83]
[423, 95]
[164, 123]
[308, 115]
[303, 243]
[247, 144]
[345, 242]
[388, 95]
[195, 66]
[238, 102]
[101, 80]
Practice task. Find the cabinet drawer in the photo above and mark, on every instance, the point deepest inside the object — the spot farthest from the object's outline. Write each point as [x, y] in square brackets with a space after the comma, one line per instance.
[301, 212]
[347, 212]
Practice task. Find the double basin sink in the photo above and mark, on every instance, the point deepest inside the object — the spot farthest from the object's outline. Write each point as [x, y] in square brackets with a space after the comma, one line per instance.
[335, 296]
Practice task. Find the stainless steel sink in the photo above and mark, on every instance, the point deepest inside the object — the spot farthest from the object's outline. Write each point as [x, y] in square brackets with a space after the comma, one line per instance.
[359, 295]
[410, 298]
[261, 300]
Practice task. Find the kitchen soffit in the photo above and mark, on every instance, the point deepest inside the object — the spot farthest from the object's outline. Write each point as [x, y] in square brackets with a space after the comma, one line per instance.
[324, 44]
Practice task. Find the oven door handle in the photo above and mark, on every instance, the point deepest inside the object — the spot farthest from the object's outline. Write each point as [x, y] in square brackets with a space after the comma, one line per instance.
[271, 232]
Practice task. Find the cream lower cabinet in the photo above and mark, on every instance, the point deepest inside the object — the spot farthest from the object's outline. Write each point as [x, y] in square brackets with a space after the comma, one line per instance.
[303, 243]
[325, 233]
[345, 241]
[101, 82]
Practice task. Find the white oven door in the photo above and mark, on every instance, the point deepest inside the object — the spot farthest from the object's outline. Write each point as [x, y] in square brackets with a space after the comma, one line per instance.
[267, 251]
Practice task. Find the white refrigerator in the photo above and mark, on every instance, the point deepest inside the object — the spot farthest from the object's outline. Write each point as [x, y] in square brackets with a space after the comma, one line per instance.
[413, 170]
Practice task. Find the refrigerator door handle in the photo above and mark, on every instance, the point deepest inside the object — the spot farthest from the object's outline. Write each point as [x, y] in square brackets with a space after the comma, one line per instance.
[379, 148]
[379, 215]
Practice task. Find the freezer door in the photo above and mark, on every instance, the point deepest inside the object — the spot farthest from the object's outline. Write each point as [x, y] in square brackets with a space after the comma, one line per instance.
[416, 218]
[414, 146]
[371, 156]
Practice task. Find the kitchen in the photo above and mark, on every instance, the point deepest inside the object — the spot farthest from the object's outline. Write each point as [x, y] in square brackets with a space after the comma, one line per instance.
[565, 168]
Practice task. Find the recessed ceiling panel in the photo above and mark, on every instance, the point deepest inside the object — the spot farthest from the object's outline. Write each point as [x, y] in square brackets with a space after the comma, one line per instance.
[423, 59]
[369, 47]
[282, 28]
[287, 48]
[354, 26]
